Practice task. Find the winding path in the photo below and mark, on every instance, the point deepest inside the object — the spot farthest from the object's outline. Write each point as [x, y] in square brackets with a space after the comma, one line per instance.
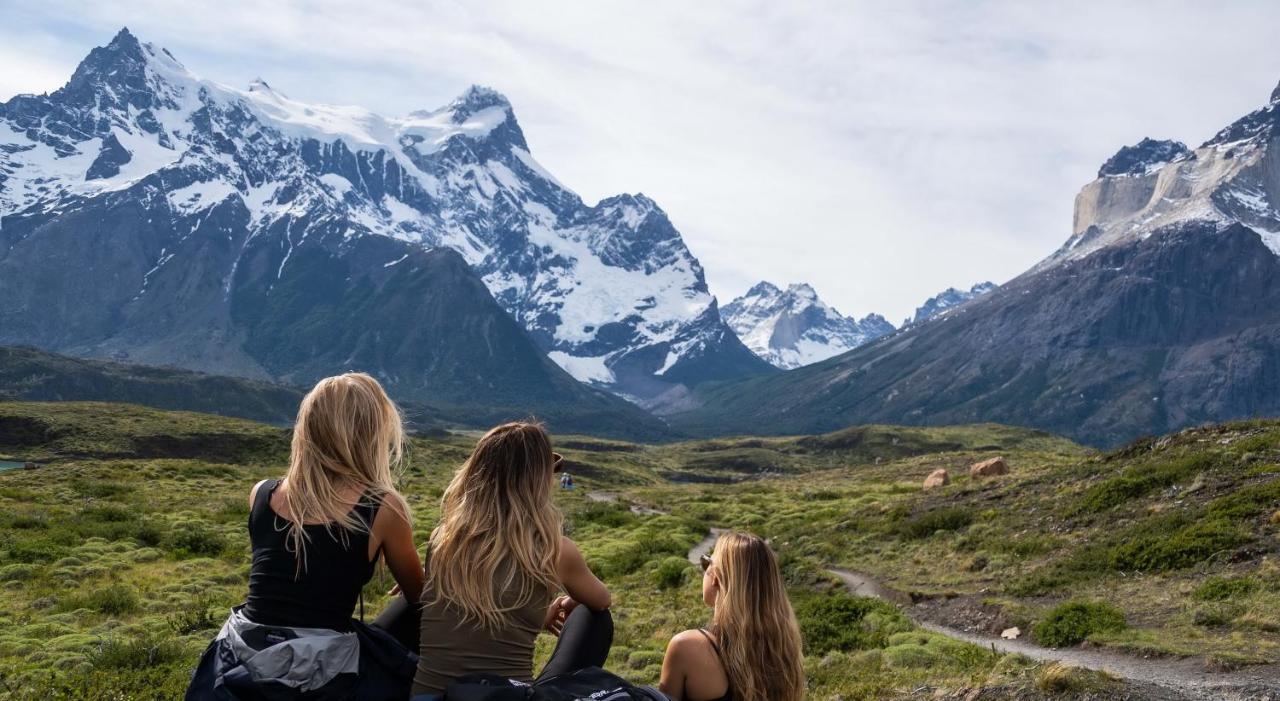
[1186, 676]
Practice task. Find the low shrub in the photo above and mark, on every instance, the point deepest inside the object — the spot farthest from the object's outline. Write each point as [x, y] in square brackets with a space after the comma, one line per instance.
[1073, 622]
[670, 573]
[1175, 541]
[193, 540]
[1223, 588]
[839, 622]
[37, 550]
[1141, 479]
[951, 518]
[112, 600]
[135, 653]
[202, 613]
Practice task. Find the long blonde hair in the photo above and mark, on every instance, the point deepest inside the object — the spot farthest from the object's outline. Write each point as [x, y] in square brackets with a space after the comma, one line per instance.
[499, 531]
[757, 631]
[348, 435]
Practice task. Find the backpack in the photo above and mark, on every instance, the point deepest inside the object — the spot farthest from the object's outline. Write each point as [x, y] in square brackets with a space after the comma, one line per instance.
[590, 684]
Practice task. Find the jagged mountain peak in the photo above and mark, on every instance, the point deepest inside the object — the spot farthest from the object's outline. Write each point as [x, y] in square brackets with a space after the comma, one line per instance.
[1275, 94]
[764, 287]
[609, 291]
[474, 99]
[1143, 157]
[794, 327]
[1155, 187]
[946, 300]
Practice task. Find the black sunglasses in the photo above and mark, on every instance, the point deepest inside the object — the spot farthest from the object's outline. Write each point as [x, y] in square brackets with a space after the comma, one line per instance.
[705, 561]
[557, 462]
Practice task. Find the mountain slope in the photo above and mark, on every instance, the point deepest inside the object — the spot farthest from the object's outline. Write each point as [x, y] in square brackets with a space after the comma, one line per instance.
[1163, 311]
[794, 327]
[153, 218]
[29, 374]
[610, 290]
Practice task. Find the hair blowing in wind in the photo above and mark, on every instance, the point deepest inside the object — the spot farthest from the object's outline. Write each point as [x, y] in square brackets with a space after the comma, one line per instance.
[348, 438]
[498, 529]
[757, 630]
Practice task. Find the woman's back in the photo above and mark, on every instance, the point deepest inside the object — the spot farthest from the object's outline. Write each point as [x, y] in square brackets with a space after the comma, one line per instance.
[318, 590]
[453, 646]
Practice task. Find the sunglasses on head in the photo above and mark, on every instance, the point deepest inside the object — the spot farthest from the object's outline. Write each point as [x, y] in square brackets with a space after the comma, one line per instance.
[557, 462]
[705, 561]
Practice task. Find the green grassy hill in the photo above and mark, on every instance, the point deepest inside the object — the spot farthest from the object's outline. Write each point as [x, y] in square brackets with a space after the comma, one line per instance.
[121, 553]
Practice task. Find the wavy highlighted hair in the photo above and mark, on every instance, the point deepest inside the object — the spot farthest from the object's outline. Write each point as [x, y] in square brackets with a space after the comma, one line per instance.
[348, 436]
[754, 623]
[499, 530]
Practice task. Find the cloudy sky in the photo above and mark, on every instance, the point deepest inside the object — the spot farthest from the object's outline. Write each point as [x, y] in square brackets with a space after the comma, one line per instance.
[881, 151]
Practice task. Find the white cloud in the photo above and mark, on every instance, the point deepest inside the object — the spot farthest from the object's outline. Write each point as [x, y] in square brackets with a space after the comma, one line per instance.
[881, 151]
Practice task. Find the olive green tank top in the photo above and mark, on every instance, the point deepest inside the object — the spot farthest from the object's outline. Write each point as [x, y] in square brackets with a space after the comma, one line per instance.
[451, 647]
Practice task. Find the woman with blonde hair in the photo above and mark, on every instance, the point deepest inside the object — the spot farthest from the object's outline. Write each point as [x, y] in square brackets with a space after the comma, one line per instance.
[316, 536]
[494, 566]
[751, 651]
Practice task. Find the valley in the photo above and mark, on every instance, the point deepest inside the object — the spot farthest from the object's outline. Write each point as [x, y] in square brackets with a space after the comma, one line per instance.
[121, 552]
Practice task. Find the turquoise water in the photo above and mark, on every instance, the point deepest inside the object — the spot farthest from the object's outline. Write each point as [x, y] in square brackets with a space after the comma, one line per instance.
[6, 465]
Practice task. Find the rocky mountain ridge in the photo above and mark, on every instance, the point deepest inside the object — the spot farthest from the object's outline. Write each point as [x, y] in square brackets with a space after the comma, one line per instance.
[794, 327]
[610, 292]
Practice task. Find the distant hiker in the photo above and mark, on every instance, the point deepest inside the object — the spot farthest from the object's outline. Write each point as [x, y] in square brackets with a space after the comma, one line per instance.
[751, 651]
[316, 536]
[494, 565]
[566, 481]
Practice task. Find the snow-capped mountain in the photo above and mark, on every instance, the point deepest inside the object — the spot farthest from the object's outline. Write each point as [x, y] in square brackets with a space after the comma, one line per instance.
[793, 327]
[1161, 311]
[1144, 188]
[609, 291]
[947, 300]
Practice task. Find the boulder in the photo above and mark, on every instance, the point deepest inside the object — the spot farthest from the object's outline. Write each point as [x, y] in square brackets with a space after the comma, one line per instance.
[937, 478]
[989, 468]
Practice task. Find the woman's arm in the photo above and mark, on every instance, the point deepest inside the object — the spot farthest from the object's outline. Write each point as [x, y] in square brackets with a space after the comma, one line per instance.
[674, 664]
[578, 580]
[394, 535]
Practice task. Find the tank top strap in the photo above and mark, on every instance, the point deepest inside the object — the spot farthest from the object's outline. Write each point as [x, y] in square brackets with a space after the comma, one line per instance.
[367, 509]
[711, 640]
[262, 500]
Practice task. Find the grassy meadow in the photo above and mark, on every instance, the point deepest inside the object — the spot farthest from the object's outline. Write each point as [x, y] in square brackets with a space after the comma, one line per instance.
[123, 551]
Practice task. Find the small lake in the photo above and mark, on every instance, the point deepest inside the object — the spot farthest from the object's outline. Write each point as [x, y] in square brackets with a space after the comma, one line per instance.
[9, 465]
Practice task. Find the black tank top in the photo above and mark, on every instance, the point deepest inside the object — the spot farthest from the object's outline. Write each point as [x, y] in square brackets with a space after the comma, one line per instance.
[322, 594]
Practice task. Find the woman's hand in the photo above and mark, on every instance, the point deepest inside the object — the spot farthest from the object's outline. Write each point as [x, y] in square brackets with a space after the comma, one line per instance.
[557, 613]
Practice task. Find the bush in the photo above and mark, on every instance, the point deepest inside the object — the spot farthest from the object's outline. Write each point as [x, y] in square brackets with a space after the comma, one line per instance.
[1173, 542]
[839, 622]
[951, 518]
[1216, 614]
[1222, 588]
[98, 489]
[1139, 480]
[135, 653]
[36, 550]
[203, 613]
[194, 540]
[112, 600]
[1074, 621]
[669, 574]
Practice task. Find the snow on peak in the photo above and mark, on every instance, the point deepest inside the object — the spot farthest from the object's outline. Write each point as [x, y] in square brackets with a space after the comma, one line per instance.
[475, 99]
[795, 327]
[1148, 188]
[1144, 157]
[950, 298]
[598, 288]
